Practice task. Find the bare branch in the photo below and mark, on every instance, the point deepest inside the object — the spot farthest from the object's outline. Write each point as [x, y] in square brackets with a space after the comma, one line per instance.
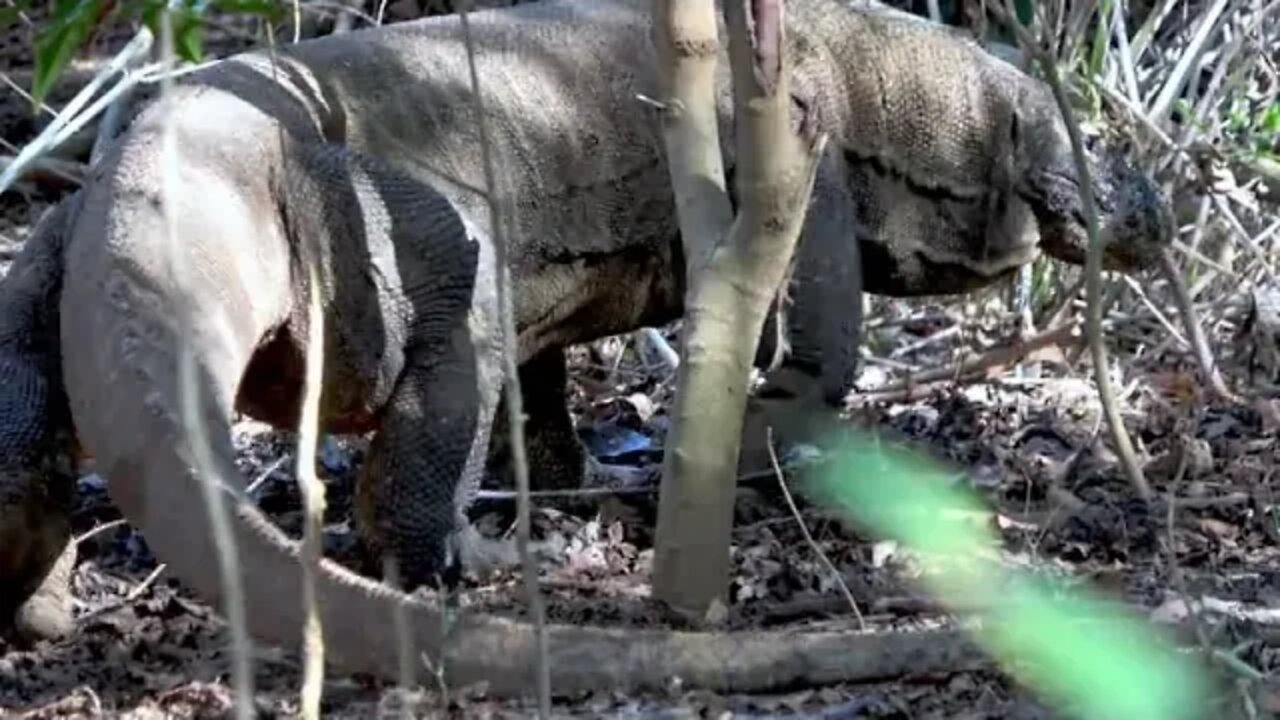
[686, 41]
[313, 499]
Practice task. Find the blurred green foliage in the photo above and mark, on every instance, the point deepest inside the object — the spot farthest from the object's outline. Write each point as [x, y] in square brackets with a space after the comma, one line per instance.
[1090, 656]
[73, 23]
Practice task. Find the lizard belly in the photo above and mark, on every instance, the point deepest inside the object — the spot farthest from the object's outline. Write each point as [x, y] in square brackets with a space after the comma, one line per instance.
[915, 273]
[271, 388]
[569, 300]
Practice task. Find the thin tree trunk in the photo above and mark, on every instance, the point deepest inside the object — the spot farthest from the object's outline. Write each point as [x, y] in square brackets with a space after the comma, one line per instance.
[735, 270]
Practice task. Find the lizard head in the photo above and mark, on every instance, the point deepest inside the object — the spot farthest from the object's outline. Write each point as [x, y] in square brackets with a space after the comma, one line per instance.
[1135, 218]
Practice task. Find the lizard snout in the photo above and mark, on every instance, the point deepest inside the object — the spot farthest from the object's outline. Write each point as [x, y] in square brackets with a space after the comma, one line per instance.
[1135, 216]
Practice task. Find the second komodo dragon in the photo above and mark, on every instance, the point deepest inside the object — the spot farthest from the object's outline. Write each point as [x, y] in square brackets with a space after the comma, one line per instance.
[947, 169]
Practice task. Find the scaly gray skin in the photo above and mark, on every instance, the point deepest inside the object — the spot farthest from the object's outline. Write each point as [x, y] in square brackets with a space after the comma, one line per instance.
[366, 143]
[37, 479]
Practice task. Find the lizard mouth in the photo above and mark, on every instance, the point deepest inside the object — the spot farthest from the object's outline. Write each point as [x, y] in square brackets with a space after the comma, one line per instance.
[1135, 221]
[1069, 242]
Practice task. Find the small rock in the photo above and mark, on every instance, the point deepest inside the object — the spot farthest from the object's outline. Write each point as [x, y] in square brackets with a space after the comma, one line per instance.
[801, 454]
[335, 458]
[92, 482]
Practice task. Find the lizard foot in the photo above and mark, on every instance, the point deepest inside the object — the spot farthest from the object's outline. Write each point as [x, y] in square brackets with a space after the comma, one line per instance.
[46, 615]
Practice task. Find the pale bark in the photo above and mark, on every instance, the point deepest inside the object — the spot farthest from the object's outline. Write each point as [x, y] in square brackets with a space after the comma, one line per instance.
[684, 33]
[735, 269]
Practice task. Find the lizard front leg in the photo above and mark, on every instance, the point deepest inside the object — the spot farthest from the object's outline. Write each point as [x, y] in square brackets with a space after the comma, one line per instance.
[47, 612]
[822, 310]
[37, 480]
[557, 459]
[826, 313]
[37, 552]
[812, 362]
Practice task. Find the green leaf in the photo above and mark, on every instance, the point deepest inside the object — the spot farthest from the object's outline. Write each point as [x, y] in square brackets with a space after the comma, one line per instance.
[1024, 10]
[1101, 39]
[55, 45]
[1093, 656]
[187, 39]
[149, 12]
[144, 9]
[1270, 121]
[186, 21]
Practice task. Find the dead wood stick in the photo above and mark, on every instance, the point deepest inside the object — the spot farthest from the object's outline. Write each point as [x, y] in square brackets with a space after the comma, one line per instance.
[50, 173]
[1195, 334]
[134, 594]
[510, 381]
[914, 385]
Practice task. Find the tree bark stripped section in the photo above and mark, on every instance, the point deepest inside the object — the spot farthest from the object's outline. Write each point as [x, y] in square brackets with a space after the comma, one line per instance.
[765, 25]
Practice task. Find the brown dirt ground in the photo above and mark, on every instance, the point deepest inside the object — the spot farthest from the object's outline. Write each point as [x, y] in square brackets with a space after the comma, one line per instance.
[146, 650]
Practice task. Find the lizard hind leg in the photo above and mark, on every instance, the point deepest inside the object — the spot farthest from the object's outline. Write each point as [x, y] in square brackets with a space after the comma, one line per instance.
[46, 614]
[424, 466]
[810, 349]
[557, 458]
[37, 482]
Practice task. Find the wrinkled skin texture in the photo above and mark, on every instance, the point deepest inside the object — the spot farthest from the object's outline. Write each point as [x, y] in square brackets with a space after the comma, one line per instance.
[938, 182]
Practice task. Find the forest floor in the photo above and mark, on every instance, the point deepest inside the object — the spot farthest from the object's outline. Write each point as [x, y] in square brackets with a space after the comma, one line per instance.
[1030, 444]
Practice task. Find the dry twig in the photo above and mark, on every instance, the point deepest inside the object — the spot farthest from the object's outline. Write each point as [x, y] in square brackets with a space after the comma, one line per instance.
[511, 379]
[189, 404]
[133, 595]
[918, 384]
[795, 512]
[1093, 264]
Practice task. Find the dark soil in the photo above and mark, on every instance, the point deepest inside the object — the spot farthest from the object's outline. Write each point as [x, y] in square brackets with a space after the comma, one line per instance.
[1031, 449]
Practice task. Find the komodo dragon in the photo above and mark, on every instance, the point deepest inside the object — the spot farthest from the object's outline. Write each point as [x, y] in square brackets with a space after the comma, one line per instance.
[367, 143]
